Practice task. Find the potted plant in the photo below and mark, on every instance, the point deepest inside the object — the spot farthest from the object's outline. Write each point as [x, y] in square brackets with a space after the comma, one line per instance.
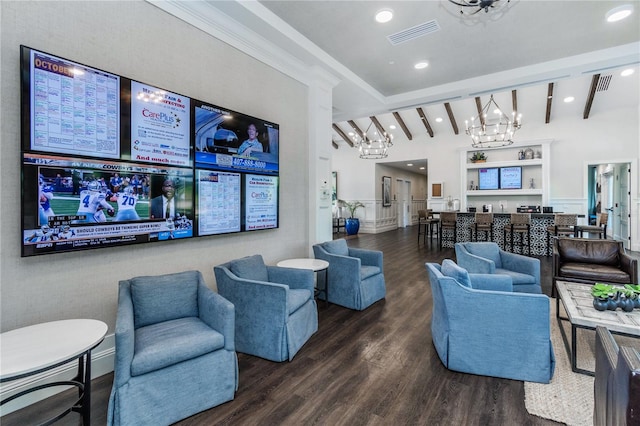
[626, 301]
[478, 157]
[601, 293]
[352, 223]
[633, 292]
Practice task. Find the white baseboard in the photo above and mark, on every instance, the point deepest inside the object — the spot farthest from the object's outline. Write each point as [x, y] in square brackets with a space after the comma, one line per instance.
[102, 361]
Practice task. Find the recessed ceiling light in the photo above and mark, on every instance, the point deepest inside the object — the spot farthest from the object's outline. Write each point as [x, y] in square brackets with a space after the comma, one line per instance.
[421, 65]
[421, 168]
[619, 13]
[439, 120]
[351, 134]
[392, 127]
[409, 164]
[569, 99]
[627, 72]
[384, 15]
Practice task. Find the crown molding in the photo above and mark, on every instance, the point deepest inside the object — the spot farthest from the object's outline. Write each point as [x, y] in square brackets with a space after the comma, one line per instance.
[213, 21]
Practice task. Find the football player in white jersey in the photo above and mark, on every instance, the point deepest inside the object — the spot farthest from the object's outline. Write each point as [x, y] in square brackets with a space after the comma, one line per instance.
[91, 199]
[45, 233]
[66, 232]
[127, 200]
[45, 195]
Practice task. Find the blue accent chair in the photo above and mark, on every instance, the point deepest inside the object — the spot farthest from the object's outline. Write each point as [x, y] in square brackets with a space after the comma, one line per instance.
[276, 312]
[355, 276]
[175, 353]
[479, 326]
[489, 258]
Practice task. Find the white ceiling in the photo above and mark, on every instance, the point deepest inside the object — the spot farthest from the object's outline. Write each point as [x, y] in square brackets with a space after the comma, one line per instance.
[523, 45]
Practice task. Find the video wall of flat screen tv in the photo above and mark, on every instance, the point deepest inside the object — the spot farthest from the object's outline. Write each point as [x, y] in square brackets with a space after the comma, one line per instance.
[500, 178]
[110, 161]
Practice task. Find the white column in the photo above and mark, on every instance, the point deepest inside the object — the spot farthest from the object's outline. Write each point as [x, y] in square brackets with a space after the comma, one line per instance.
[320, 117]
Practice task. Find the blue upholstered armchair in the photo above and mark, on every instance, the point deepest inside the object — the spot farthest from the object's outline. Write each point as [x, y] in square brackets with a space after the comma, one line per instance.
[175, 353]
[489, 258]
[355, 276]
[479, 326]
[276, 312]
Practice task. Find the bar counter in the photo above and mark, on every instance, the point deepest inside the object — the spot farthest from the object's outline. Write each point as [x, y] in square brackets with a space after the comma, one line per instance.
[539, 223]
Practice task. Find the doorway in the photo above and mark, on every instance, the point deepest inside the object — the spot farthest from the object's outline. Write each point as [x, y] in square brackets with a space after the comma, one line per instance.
[609, 191]
[403, 191]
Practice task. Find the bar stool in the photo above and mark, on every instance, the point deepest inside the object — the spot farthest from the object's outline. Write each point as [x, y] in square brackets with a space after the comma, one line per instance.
[600, 228]
[448, 221]
[483, 223]
[433, 223]
[564, 225]
[422, 224]
[426, 219]
[521, 225]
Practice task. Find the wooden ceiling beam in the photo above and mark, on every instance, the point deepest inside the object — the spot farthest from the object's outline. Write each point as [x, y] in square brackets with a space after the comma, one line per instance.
[403, 126]
[547, 116]
[376, 123]
[592, 94]
[452, 119]
[342, 134]
[479, 108]
[356, 128]
[514, 106]
[423, 117]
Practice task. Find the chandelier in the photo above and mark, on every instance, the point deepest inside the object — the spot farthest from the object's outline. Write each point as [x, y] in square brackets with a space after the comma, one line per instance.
[492, 128]
[479, 5]
[373, 148]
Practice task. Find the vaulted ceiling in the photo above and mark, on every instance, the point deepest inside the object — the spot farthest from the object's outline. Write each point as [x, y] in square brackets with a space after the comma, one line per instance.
[530, 54]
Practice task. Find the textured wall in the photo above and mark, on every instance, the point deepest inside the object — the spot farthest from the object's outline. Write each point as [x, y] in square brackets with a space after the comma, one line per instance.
[137, 40]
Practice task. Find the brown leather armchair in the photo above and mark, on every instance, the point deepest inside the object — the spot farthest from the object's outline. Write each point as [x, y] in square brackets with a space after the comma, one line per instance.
[589, 261]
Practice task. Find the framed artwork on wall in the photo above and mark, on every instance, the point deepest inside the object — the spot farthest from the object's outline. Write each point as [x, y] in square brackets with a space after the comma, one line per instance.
[437, 190]
[386, 191]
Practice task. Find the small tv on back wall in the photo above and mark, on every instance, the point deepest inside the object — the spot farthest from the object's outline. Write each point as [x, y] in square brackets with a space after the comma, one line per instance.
[511, 177]
[109, 161]
[488, 178]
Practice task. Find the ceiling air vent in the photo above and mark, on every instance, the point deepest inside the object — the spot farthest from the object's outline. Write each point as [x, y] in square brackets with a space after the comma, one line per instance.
[414, 32]
[603, 83]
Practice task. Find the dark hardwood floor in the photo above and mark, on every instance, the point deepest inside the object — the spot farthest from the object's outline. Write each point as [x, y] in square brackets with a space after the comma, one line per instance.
[376, 367]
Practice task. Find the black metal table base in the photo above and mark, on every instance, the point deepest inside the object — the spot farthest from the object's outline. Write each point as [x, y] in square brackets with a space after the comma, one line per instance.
[324, 290]
[82, 381]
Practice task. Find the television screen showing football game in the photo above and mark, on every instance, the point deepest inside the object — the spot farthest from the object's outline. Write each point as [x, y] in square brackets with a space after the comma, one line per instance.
[108, 161]
[76, 203]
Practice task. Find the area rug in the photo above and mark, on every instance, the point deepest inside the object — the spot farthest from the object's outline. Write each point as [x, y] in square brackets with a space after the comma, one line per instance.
[568, 398]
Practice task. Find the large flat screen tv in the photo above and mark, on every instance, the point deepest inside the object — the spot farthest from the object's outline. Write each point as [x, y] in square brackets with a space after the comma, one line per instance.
[109, 161]
[511, 177]
[488, 178]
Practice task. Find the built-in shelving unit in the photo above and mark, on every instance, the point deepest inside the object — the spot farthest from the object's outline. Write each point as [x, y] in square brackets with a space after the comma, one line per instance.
[535, 172]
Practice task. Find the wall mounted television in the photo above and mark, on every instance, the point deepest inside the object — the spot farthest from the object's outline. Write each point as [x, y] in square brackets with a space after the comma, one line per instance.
[511, 177]
[488, 178]
[109, 161]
